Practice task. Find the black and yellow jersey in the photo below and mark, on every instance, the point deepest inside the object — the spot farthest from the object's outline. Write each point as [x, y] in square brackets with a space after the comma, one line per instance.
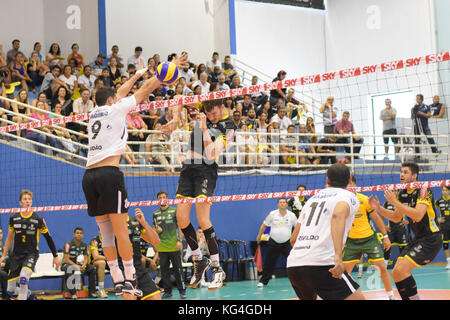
[95, 244]
[443, 205]
[428, 224]
[135, 231]
[26, 230]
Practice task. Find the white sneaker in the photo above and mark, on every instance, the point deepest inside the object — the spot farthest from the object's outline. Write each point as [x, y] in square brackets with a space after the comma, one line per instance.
[448, 266]
[218, 276]
[260, 285]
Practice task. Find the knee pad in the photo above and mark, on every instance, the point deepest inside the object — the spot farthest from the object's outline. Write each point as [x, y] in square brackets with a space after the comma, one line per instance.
[445, 245]
[107, 233]
[23, 281]
[24, 277]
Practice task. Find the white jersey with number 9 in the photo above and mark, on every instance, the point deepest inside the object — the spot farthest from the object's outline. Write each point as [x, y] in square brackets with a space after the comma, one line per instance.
[314, 244]
[107, 130]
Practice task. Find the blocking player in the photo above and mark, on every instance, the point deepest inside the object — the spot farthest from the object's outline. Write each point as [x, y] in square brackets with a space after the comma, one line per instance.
[315, 266]
[138, 229]
[103, 182]
[417, 205]
[363, 239]
[397, 232]
[443, 205]
[198, 178]
[297, 203]
[24, 229]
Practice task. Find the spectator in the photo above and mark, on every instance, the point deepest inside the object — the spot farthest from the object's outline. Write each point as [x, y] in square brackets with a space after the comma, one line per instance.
[22, 97]
[98, 260]
[345, 126]
[186, 89]
[158, 148]
[41, 98]
[388, 116]
[76, 258]
[98, 65]
[137, 58]
[77, 56]
[229, 105]
[258, 98]
[19, 71]
[278, 93]
[247, 105]
[83, 104]
[228, 68]
[265, 108]
[60, 97]
[261, 125]
[328, 112]
[214, 62]
[4, 267]
[106, 78]
[263, 149]
[128, 156]
[115, 54]
[63, 144]
[251, 145]
[165, 224]
[311, 128]
[289, 144]
[151, 67]
[41, 137]
[325, 146]
[87, 79]
[222, 86]
[98, 83]
[251, 122]
[310, 150]
[203, 83]
[73, 64]
[236, 83]
[114, 70]
[37, 47]
[51, 82]
[200, 69]
[297, 203]
[135, 122]
[11, 54]
[36, 70]
[157, 59]
[54, 57]
[420, 114]
[437, 109]
[283, 121]
[187, 74]
[273, 139]
[237, 122]
[281, 223]
[70, 81]
[300, 112]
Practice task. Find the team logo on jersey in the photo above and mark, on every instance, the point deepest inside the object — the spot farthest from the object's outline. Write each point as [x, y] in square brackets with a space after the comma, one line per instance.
[109, 127]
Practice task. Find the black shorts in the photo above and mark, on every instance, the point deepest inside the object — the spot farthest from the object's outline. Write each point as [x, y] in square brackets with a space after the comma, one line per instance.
[19, 261]
[423, 250]
[398, 236]
[390, 132]
[197, 180]
[145, 282]
[105, 192]
[312, 281]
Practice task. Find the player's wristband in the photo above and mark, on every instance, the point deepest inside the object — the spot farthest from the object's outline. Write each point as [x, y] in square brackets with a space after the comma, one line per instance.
[385, 236]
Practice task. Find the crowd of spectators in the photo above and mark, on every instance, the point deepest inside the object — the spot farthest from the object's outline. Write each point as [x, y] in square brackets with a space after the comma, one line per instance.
[271, 120]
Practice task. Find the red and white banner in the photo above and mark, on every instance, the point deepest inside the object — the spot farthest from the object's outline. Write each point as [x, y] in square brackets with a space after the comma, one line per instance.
[301, 81]
[242, 197]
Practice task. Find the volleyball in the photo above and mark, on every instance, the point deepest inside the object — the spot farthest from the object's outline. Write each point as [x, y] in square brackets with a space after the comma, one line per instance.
[167, 72]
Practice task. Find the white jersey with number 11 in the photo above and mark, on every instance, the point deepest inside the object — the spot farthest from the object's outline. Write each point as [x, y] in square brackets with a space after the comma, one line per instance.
[107, 130]
[314, 244]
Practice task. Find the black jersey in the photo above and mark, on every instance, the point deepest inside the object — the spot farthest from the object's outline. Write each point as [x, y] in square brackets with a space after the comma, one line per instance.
[95, 244]
[74, 250]
[26, 232]
[444, 210]
[427, 225]
[135, 231]
[296, 205]
[217, 130]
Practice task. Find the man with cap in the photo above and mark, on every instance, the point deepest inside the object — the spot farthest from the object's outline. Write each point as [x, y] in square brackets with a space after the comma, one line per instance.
[98, 65]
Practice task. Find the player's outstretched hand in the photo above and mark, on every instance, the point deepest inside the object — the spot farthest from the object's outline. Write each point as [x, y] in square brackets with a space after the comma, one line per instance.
[181, 61]
[374, 202]
[390, 197]
[139, 215]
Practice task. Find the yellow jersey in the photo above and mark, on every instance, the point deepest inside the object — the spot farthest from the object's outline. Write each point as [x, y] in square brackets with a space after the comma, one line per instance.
[361, 227]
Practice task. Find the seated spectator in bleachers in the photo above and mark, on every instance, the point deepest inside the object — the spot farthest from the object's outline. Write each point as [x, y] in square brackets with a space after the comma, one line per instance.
[64, 100]
[137, 58]
[214, 62]
[36, 71]
[157, 59]
[71, 82]
[289, 144]
[40, 137]
[229, 105]
[328, 111]
[278, 93]
[98, 260]
[236, 83]
[114, 71]
[158, 143]
[87, 79]
[258, 98]
[98, 83]
[98, 65]
[19, 71]
[151, 67]
[5, 105]
[200, 69]
[128, 156]
[221, 85]
[22, 97]
[345, 126]
[81, 105]
[251, 121]
[247, 104]
[54, 57]
[106, 78]
[11, 54]
[77, 56]
[186, 89]
[135, 122]
[51, 82]
[119, 59]
[228, 69]
[327, 148]
[251, 146]
[311, 128]
[76, 258]
[311, 157]
[73, 64]
[214, 76]
[237, 121]
[262, 122]
[283, 121]
[203, 83]
[37, 47]
[63, 144]
[187, 74]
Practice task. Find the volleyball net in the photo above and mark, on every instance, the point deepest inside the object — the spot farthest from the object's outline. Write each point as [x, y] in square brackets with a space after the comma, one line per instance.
[257, 163]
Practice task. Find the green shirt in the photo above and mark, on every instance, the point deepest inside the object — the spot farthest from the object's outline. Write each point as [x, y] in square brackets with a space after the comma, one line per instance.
[167, 220]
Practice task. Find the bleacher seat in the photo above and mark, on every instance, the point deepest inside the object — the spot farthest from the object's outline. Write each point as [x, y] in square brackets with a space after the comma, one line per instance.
[44, 266]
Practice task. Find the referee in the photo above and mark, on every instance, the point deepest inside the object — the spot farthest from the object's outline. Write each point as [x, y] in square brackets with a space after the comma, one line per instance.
[281, 223]
[103, 182]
